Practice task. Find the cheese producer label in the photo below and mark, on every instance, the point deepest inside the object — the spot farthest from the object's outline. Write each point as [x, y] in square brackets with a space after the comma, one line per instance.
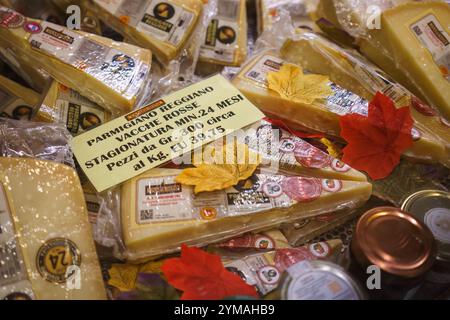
[166, 129]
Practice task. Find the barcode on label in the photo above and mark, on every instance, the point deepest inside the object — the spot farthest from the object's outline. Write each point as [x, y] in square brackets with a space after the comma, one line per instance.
[254, 74]
[36, 44]
[146, 215]
[228, 9]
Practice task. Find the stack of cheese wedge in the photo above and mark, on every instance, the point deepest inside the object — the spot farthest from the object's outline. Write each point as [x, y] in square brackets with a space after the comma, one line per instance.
[162, 26]
[410, 41]
[108, 73]
[46, 241]
[159, 213]
[353, 82]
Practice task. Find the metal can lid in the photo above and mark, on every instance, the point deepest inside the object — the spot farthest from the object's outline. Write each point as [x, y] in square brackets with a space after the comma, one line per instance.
[395, 241]
[319, 280]
[432, 207]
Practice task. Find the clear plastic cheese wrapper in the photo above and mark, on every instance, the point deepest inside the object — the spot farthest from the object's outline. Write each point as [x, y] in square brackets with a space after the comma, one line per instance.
[161, 209]
[173, 30]
[408, 39]
[66, 106]
[112, 74]
[352, 82]
[35, 140]
[16, 100]
[225, 39]
[46, 245]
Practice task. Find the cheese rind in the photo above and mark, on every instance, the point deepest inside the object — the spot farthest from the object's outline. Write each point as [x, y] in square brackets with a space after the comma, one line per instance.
[49, 226]
[158, 214]
[109, 73]
[164, 27]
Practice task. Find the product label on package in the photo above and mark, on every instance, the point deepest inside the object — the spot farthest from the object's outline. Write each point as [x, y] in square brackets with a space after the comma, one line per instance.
[162, 20]
[222, 33]
[14, 284]
[111, 66]
[166, 129]
[435, 38]
[258, 72]
[162, 199]
[166, 22]
[78, 113]
[220, 41]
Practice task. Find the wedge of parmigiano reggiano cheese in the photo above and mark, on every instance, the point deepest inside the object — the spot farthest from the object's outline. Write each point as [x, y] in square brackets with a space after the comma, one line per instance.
[109, 73]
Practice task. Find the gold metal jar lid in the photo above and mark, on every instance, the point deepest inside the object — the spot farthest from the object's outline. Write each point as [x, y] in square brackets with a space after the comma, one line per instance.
[432, 207]
[395, 241]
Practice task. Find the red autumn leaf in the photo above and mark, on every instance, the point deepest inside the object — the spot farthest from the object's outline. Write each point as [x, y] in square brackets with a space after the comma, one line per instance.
[376, 142]
[202, 276]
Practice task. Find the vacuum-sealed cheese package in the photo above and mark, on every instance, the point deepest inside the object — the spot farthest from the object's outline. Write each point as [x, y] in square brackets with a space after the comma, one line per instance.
[408, 39]
[351, 82]
[225, 40]
[47, 249]
[160, 210]
[111, 74]
[164, 27]
[350, 70]
[159, 214]
[64, 105]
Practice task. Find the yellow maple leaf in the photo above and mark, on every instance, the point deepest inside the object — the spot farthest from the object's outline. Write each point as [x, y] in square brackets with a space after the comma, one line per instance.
[291, 83]
[230, 164]
[123, 276]
[209, 177]
[332, 149]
